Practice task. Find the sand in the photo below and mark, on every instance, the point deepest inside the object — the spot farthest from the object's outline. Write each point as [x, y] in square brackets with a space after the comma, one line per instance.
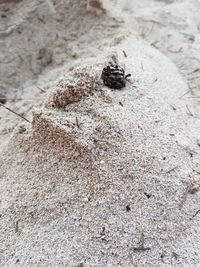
[100, 177]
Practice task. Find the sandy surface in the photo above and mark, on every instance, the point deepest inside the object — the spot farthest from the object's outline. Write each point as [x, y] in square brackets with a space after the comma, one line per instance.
[100, 177]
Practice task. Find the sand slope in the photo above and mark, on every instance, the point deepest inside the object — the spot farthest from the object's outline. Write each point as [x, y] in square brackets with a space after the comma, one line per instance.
[105, 177]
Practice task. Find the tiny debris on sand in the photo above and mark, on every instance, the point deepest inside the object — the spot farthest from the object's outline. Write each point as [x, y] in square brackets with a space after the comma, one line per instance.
[99, 176]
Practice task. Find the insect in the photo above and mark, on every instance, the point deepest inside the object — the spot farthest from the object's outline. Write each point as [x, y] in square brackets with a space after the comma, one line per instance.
[114, 76]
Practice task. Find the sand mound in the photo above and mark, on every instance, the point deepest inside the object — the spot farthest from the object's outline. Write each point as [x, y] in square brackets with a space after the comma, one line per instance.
[41, 40]
[46, 36]
[102, 176]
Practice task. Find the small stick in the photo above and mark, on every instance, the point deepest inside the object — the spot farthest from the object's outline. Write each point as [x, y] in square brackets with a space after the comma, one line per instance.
[185, 94]
[141, 249]
[195, 70]
[173, 107]
[195, 214]
[152, 21]
[154, 44]
[77, 123]
[155, 80]
[125, 55]
[41, 89]
[19, 115]
[175, 51]
[172, 169]
[17, 226]
[196, 171]
[14, 99]
[189, 111]
[141, 246]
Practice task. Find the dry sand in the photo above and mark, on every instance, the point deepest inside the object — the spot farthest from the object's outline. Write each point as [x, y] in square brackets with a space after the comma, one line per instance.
[100, 177]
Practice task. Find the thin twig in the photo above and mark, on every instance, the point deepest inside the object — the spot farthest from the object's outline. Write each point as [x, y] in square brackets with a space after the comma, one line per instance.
[141, 246]
[19, 115]
[174, 108]
[189, 111]
[15, 99]
[154, 44]
[77, 123]
[172, 169]
[180, 50]
[125, 55]
[195, 70]
[195, 214]
[185, 94]
[152, 21]
[17, 226]
[41, 89]
[196, 171]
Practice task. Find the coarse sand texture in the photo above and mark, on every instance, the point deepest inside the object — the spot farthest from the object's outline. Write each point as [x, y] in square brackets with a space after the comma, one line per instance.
[99, 177]
[101, 172]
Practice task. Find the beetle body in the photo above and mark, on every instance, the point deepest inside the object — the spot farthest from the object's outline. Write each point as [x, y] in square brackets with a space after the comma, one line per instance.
[114, 76]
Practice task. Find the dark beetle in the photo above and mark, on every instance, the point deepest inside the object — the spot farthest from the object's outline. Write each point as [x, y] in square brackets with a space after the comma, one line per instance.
[114, 76]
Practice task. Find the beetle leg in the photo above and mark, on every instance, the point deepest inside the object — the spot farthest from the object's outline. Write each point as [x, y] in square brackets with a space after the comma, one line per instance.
[128, 75]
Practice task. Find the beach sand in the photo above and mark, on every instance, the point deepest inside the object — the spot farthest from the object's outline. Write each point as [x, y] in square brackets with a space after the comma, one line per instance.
[99, 176]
